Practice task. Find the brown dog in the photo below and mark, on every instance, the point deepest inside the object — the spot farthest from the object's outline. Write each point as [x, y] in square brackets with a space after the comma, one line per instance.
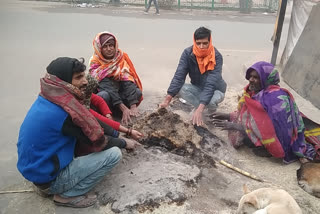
[267, 201]
[309, 178]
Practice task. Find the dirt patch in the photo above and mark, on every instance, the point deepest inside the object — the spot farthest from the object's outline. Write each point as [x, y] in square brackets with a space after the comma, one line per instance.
[164, 124]
[166, 129]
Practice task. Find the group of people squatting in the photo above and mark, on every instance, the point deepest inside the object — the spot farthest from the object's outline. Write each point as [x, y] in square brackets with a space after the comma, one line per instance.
[69, 139]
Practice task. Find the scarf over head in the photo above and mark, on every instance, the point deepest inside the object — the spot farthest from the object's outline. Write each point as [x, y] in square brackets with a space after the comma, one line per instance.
[56, 87]
[120, 68]
[104, 38]
[268, 75]
[206, 58]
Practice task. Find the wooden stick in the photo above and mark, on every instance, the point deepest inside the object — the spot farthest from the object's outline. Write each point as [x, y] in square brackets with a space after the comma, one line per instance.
[16, 191]
[240, 171]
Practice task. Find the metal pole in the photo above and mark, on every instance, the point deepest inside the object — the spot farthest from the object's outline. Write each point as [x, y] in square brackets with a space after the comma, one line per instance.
[179, 4]
[212, 6]
[276, 42]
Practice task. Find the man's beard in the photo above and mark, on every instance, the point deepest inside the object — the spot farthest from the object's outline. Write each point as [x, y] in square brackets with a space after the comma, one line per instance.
[253, 88]
[83, 88]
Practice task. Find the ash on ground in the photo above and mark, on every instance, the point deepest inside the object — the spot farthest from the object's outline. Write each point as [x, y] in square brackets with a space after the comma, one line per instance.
[175, 165]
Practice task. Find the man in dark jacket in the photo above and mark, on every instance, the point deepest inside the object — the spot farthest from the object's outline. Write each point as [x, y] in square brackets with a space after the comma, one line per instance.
[203, 63]
[48, 135]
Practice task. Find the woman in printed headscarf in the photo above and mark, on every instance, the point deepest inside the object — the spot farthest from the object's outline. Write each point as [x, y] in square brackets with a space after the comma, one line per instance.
[268, 116]
[119, 83]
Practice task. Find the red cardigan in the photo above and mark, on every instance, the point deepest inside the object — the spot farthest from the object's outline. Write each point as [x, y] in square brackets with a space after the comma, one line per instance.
[102, 110]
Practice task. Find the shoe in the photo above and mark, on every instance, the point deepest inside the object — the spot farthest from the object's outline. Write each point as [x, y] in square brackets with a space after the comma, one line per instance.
[78, 202]
[145, 12]
[158, 14]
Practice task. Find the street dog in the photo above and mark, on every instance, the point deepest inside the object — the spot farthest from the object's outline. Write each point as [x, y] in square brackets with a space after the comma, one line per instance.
[309, 178]
[267, 201]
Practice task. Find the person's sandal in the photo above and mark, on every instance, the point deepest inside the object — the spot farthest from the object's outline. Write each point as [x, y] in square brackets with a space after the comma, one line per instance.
[78, 202]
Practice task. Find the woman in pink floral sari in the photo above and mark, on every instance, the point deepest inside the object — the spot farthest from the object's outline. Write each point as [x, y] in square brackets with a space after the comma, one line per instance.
[268, 116]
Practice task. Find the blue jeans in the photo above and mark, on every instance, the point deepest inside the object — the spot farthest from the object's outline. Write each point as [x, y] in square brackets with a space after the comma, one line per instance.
[191, 94]
[84, 172]
[155, 4]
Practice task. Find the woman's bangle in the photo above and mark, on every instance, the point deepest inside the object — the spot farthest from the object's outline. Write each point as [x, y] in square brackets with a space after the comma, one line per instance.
[129, 132]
